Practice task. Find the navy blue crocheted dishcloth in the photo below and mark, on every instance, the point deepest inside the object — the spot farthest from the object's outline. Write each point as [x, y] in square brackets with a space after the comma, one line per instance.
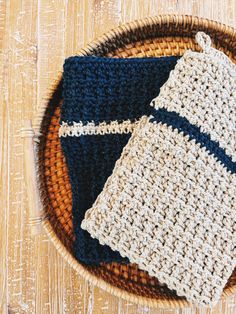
[103, 97]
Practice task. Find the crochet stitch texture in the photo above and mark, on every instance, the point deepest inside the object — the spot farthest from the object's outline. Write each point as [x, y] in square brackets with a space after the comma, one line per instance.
[170, 203]
[103, 99]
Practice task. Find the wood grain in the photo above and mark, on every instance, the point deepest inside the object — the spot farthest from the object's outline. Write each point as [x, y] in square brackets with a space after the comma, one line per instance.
[35, 37]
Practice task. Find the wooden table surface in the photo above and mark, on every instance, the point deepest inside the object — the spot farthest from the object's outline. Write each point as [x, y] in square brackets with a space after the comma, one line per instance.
[35, 38]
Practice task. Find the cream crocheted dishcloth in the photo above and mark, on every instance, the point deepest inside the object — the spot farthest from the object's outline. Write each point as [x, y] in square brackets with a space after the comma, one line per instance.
[170, 204]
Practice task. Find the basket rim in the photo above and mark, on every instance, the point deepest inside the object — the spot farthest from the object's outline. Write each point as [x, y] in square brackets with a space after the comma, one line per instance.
[60, 247]
[178, 19]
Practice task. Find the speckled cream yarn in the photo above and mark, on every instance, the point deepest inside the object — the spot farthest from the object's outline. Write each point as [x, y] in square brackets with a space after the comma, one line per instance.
[170, 204]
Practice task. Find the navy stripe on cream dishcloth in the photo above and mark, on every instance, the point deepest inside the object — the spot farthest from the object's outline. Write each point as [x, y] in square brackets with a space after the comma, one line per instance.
[173, 119]
[103, 99]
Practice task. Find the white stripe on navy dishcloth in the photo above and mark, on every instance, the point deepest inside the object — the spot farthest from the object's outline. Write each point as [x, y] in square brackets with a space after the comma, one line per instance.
[113, 127]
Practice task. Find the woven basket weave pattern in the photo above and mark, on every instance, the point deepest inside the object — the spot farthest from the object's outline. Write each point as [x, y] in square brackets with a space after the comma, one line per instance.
[165, 35]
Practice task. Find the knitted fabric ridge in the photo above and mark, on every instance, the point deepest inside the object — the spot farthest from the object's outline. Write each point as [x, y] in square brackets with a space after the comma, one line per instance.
[170, 203]
[103, 101]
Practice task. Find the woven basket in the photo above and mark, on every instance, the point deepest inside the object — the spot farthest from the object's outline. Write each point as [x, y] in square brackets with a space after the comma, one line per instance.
[46, 170]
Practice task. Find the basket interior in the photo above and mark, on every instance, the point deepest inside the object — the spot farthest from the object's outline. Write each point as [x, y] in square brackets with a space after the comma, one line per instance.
[158, 37]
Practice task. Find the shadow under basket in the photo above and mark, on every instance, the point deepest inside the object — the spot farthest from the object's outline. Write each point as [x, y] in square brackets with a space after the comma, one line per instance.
[49, 190]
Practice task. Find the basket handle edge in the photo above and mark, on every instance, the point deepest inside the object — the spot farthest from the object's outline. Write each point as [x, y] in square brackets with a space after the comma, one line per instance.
[35, 207]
